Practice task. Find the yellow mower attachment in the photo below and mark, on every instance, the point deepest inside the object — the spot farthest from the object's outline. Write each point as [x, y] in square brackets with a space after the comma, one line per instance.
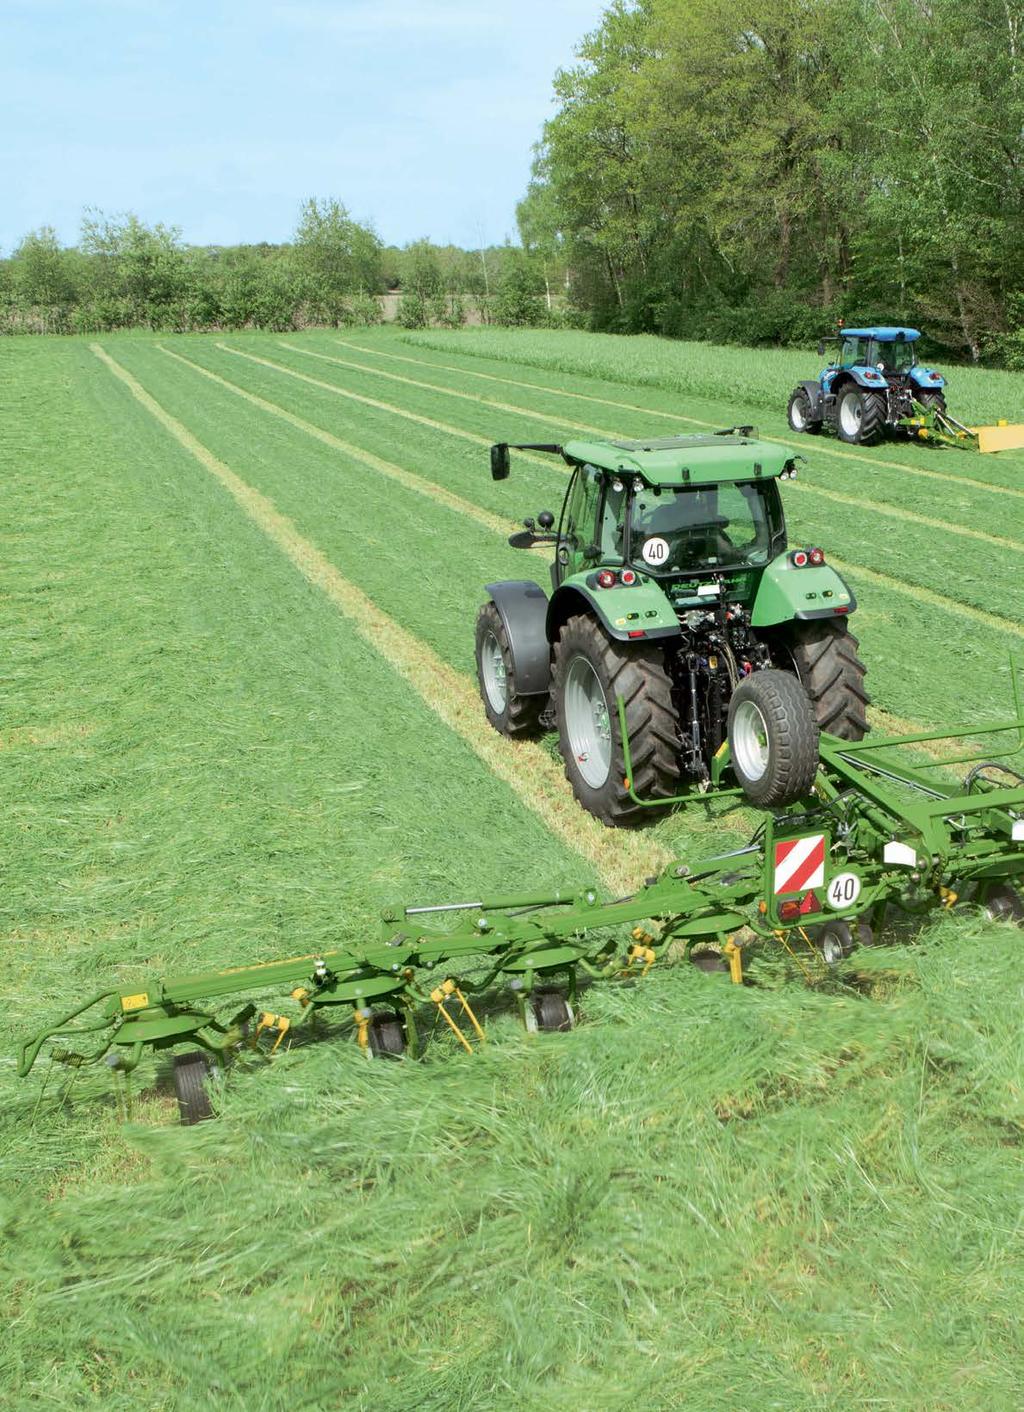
[1004, 436]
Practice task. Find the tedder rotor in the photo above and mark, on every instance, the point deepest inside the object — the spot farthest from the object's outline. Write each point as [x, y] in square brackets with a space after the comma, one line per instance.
[875, 829]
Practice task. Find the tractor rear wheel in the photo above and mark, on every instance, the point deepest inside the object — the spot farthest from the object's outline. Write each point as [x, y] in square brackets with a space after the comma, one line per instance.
[773, 739]
[825, 658]
[861, 417]
[931, 400]
[590, 672]
[799, 413]
[508, 712]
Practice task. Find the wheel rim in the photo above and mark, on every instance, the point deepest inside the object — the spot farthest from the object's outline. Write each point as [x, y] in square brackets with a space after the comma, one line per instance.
[796, 414]
[749, 741]
[587, 722]
[492, 669]
[831, 950]
[851, 413]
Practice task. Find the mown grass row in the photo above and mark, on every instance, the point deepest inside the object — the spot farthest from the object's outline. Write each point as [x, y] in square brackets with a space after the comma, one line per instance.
[762, 377]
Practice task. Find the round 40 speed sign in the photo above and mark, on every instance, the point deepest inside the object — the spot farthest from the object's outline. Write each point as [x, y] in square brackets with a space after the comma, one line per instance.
[843, 890]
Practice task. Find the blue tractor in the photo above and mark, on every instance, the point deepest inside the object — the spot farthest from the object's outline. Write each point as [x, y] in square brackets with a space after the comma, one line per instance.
[869, 388]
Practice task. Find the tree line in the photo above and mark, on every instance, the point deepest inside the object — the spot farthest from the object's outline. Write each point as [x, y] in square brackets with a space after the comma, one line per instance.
[124, 273]
[752, 170]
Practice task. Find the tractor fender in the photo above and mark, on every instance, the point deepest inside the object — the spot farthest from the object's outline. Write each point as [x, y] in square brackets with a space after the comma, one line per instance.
[815, 398]
[786, 593]
[868, 378]
[523, 608]
[640, 611]
[927, 379]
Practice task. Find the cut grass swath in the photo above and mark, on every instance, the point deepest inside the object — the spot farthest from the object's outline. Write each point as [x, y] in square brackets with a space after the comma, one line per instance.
[621, 860]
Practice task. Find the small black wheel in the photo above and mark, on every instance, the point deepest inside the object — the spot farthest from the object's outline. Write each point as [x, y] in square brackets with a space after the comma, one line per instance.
[834, 940]
[549, 1010]
[1004, 903]
[860, 417]
[191, 1073]
[711, 962]
[386, 1036]
[773, 738]
[509, 713]
[799, 414]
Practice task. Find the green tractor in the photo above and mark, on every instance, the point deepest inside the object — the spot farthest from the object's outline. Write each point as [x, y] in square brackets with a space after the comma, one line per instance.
[683, 639]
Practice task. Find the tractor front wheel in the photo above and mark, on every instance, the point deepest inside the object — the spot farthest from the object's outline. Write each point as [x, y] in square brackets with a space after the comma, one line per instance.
[799, 413]
[825, 658]
[861, 417]
[507, 711]
[773, 739]
[590, 671]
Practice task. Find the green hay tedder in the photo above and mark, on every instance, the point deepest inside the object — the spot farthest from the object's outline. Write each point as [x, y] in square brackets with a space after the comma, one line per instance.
[742, 645]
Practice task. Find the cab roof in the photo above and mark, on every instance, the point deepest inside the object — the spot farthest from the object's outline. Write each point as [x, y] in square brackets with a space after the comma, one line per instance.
[882, 333]
[686, 460]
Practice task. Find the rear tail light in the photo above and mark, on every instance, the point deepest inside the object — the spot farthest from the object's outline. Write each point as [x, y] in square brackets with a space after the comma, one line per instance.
[789, 911]
[816, 556]
[799, 558]
[628, 577]
[606, 579]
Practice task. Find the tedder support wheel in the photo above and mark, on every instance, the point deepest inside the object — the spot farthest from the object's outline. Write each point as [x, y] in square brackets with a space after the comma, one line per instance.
[1004, 903]
[386, 1036]
[773, 738]
[191, 1072]
[507, 712]
[548, 1010]
[799, 413]
[590, 671]
[824, 653]
[861, 416]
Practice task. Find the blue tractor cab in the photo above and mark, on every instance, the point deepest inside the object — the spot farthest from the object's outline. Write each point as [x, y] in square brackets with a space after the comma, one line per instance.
[868, 388]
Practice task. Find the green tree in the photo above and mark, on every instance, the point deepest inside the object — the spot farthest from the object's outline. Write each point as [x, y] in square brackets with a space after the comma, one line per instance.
[42, 272]
[336, 257]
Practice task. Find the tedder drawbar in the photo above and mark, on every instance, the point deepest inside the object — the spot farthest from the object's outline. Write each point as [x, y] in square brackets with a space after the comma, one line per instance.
[875, 830]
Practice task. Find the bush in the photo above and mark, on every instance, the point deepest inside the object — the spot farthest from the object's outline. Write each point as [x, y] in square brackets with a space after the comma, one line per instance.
[412, 311]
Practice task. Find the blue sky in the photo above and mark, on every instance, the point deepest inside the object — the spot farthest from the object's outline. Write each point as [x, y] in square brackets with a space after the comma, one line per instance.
[222, 117]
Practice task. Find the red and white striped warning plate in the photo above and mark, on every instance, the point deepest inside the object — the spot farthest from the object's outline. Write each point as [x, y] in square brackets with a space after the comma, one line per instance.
[799, 863]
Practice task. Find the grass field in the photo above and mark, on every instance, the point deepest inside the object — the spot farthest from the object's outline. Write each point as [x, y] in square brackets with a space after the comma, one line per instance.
[239, 582]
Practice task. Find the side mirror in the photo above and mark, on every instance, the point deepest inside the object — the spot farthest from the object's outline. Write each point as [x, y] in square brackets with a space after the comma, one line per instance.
[821, 354]
[501, 462]
[545, 519]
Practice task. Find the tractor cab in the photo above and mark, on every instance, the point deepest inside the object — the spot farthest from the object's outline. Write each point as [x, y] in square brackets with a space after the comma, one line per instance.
[889, 351]
[635, 507]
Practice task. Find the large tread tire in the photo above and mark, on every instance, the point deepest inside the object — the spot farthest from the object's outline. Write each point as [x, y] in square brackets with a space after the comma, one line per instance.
[521, 714]
[798, 413]
[825, 656]
[872, 417]
[930, 399]
[638, 675]
[791, 733]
